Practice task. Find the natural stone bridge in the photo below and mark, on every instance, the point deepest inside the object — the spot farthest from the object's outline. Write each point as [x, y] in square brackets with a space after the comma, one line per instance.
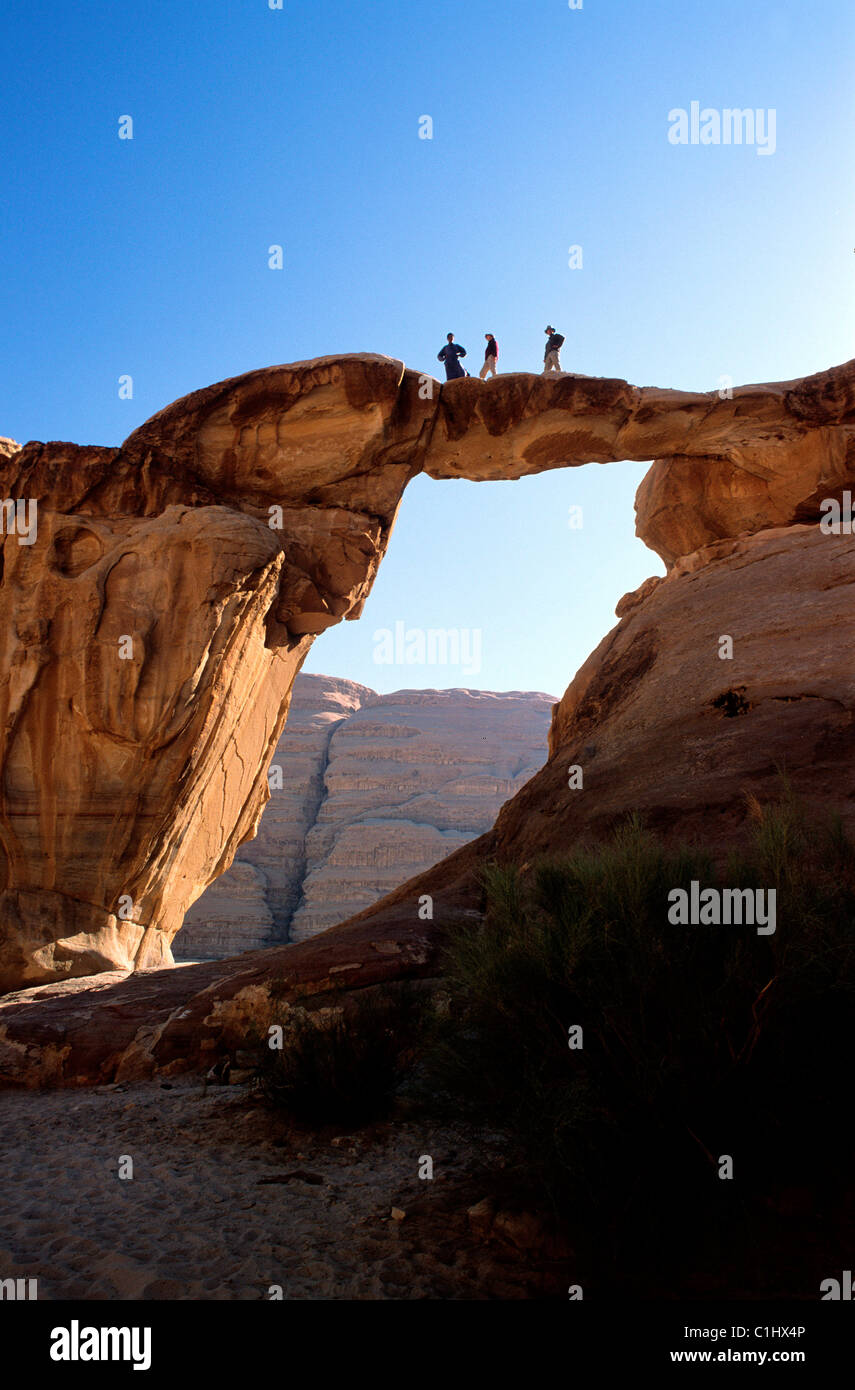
[152, 632]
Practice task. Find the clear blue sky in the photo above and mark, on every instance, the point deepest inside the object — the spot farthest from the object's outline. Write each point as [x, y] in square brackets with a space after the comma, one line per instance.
[255, 126]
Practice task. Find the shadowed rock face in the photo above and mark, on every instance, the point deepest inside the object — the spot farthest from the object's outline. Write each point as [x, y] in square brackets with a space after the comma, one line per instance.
[661, 724]
[152, 631]
[151, 634]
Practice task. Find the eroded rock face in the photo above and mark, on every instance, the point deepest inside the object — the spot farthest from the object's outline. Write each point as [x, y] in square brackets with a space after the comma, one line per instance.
[411, 778]
[656, 720]
[152, 630]
[763, 456]
[224, 921]
[662, 723]
[375, 789]
[150, 636]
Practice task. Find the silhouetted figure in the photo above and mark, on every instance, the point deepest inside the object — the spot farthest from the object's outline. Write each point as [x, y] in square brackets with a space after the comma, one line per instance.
[490, 356]
[554, 341]
[450, 355]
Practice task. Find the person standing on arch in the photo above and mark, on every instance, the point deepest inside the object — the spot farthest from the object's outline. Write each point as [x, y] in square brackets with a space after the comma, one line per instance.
[490, 356]
[450, 355]
[554, 342]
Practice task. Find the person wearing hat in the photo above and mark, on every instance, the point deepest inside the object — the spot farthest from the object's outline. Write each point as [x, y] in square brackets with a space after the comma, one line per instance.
[450, 355]
[490, 355]
[554, 341]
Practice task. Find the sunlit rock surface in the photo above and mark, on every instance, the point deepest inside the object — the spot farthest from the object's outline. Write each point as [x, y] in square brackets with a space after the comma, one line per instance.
[151, 633]
[375, 788]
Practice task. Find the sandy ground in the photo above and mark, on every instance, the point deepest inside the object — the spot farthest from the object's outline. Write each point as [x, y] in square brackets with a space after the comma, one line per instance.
[201, 1218]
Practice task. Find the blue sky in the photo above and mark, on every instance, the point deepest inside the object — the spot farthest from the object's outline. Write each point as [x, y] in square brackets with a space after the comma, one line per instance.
[299, 127]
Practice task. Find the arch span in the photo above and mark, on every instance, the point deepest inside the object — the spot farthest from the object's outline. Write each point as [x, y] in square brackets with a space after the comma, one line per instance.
[153, 627]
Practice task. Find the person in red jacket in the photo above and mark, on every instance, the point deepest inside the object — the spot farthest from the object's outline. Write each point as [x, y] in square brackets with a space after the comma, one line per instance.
[490, 356]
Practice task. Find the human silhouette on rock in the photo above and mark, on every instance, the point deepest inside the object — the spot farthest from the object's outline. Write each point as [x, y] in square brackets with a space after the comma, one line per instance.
[554, 343]
[450, 355]
[490, 356]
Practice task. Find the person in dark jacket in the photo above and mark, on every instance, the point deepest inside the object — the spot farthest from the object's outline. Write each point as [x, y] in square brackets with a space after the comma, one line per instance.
[490, 355]
[554, 343]
[450, 355]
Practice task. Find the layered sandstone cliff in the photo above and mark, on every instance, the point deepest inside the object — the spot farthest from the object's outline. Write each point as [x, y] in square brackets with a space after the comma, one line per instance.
[412, 777]
[374, 789]
[252, 903]
[151, 633]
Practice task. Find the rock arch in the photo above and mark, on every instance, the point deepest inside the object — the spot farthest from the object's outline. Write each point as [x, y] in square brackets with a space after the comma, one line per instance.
[151, 634]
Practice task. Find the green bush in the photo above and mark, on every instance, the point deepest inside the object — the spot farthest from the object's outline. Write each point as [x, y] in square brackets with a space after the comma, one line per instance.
[698, 1040]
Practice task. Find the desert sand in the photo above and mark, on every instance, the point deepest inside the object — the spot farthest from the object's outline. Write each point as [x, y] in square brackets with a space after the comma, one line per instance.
[229, 1198]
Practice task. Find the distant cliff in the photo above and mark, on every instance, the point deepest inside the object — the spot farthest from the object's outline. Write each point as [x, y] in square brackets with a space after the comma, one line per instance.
[374, 788]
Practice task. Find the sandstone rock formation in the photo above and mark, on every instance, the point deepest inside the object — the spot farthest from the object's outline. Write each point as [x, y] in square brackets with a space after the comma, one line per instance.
[662, 723]
[252, 904]
[765, 456]
[152, 632]
[375, 789]
[151, 635]
[657, 721]
[413, 776]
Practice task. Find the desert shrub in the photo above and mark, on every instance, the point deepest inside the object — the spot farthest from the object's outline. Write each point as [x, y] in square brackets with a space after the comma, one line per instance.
[698, 1041]
[343, 1068]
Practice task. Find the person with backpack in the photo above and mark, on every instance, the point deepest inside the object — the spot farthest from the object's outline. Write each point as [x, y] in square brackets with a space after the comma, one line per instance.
[450, 355]
[554, 343]
[490, 356]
